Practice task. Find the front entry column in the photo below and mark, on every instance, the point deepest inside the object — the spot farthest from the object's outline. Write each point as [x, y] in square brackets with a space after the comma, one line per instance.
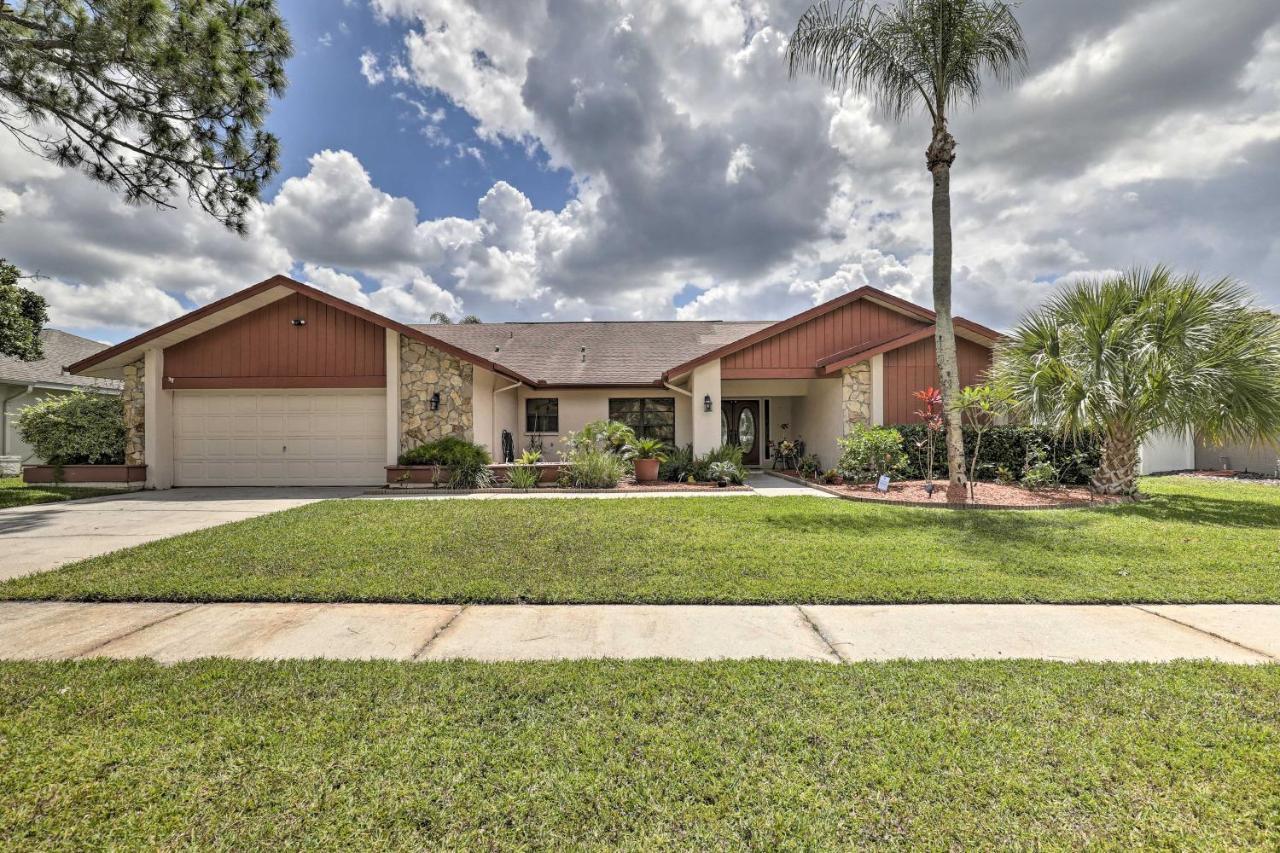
[158, 422]
[705, 384]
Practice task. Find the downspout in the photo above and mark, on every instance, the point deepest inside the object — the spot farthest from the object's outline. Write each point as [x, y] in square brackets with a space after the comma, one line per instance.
[496, 436]
[4, 419]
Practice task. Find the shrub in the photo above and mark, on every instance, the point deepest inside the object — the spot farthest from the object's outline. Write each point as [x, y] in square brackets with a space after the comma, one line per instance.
[450, 451]
[724, 472]
[592, 468]
[529, 457]
[75, 429]
[613, 436]
[809, 466]
[678, 466]
[648, 448]
[524, 477]
[868, 452]
[1039, 472]
[470, 474]
[1007, 447]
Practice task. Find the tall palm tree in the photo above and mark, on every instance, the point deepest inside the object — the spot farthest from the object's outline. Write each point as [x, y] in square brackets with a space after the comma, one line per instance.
[930, 53]
[1145, 351]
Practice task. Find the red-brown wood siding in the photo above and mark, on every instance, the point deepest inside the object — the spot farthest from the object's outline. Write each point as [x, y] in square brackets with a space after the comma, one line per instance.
[857, 323]
[909, 369]
[263, 349]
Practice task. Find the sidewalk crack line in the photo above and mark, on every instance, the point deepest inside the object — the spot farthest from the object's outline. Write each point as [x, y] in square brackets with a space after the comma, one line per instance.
[111, 640]
[420, 652]
[1206, 632]
[821, 636]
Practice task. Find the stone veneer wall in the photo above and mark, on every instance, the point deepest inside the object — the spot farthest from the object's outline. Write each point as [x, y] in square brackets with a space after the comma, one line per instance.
[856, 383]
[133, 399]
[424, 371]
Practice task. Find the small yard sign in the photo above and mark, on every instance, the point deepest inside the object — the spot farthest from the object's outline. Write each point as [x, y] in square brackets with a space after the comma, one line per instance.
[883, 484]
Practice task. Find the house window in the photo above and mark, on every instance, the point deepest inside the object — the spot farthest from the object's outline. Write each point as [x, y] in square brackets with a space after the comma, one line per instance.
[542, 414]
[650, 417]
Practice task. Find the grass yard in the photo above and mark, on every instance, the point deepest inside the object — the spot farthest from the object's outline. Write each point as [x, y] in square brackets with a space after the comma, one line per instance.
[638, 755]
[1192, 541]
[14, 492]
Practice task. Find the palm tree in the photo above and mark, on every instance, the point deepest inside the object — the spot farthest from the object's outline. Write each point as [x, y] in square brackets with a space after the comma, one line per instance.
[918, 52]
[1145, 351]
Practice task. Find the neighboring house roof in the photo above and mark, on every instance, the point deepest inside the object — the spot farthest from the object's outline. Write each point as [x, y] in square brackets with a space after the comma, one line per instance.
[616, 352]
[60, 348]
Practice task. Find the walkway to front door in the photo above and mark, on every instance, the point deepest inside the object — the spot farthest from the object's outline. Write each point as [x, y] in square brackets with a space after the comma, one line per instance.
[740, 424]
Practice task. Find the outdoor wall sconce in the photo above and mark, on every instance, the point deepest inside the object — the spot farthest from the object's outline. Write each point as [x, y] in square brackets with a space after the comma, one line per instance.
[299, 321]
[435, 402]
[706, 403]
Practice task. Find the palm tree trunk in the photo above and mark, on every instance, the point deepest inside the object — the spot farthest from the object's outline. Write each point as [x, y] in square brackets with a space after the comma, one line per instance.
[1117, 474]
[939, 157]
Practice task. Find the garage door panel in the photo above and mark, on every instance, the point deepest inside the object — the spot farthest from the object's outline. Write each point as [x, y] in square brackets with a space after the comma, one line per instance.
[278, 437]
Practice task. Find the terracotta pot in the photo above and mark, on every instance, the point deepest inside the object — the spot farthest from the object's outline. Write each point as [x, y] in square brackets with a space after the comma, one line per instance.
[646, 470]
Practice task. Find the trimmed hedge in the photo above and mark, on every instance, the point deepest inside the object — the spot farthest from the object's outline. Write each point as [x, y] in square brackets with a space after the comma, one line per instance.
[75, 429]
[450, 451]
[1004, 446]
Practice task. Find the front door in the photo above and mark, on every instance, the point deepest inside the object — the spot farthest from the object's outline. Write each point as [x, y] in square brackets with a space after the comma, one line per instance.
[740, 424]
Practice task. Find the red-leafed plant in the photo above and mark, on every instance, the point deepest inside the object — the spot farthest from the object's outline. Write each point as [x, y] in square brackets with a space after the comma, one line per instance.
[931, 399]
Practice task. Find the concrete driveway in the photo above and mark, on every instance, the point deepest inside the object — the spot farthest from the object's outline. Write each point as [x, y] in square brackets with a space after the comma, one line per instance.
[39, 538]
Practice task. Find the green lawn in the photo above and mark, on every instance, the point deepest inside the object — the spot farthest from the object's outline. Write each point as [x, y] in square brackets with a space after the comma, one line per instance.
[1193, 540]
[638, 755]
[14, 492]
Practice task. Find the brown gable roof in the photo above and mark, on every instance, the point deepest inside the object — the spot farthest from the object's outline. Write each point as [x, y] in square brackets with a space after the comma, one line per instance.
[873, 294]
[280, 281]
[617, 352]
[59, 348]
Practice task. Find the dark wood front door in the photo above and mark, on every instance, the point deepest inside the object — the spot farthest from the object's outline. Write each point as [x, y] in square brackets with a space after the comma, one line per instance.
[740, 424]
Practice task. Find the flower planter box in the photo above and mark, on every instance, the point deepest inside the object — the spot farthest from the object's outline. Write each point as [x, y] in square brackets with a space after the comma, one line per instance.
[123, 476]
[438, 475]
[548, 472]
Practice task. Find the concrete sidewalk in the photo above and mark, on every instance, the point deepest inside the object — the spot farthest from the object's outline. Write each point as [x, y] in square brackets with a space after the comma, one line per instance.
[175, 632]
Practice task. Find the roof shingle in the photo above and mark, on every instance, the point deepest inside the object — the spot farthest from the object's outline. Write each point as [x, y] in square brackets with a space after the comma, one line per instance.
[616, 352]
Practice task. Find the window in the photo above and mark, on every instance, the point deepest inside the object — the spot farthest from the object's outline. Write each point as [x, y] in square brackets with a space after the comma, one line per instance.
[650, 417]
[542, 414]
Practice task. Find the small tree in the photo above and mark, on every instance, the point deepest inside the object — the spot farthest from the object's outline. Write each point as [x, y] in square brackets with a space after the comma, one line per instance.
[22, 316]
[931, 415]
[75, 429]
[1146, 350]
[981, 405]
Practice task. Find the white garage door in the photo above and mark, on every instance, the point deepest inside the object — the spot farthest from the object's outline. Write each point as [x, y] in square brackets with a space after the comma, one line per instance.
[307, 437]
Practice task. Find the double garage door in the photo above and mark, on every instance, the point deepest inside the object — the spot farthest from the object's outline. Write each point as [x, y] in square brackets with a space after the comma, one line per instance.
[307, 437]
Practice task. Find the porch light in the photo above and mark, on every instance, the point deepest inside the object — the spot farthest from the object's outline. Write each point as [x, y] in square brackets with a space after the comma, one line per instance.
[435, 402]
[706, 403]
[299, 321]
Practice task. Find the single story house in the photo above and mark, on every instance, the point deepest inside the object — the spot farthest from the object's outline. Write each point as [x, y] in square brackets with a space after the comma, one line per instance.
[284, 384]
[25, 382]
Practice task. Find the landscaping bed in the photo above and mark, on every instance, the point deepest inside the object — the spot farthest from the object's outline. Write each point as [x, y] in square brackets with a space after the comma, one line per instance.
[986, 495]
[1189, 541]
[638, 755]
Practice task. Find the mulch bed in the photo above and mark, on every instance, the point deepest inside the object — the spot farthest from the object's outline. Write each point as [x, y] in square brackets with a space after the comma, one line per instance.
[986, 496]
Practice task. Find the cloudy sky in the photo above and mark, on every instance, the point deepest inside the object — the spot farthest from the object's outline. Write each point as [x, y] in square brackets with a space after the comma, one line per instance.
[574, 159]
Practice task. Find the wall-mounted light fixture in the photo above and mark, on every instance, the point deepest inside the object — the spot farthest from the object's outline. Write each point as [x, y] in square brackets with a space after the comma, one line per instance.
[706, 403]
[435, 402]
[299, 321]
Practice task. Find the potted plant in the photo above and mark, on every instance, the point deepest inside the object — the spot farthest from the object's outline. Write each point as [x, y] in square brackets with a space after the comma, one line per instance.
[647, 454]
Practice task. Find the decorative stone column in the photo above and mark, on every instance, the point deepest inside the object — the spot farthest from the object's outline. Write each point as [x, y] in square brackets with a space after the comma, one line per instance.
[425, 371]
[133, 401]
[856, 387]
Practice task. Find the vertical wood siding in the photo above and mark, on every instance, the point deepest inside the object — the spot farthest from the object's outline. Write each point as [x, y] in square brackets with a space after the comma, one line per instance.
[859, 322]
[265, 345]
[909, 369]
